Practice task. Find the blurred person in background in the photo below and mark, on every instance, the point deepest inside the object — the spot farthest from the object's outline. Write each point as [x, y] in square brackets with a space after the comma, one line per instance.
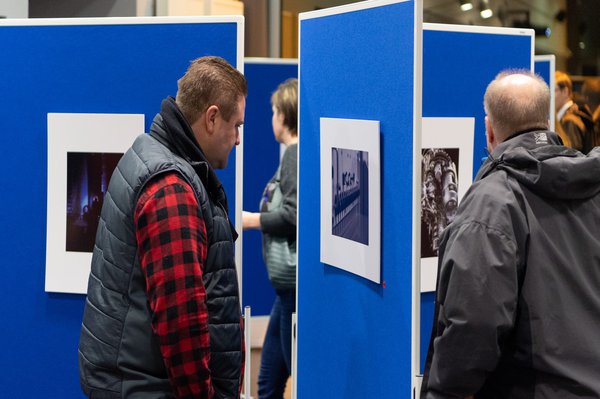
[576, 126]
[277, 223]
[591, 91]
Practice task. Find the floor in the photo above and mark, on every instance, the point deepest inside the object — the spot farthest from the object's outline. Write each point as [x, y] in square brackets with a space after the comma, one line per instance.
[255, 366]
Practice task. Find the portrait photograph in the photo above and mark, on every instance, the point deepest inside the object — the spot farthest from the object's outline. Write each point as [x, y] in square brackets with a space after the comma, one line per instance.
[439, 195]
[446, 171]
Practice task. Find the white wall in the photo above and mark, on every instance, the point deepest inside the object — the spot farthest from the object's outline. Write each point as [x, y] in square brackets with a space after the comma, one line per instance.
[14, 8]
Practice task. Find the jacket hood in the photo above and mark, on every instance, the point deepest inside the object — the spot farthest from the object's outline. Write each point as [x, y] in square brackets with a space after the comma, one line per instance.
[537, 160]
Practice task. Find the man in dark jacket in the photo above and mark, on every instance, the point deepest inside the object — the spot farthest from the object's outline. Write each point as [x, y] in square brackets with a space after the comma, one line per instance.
[162, 317]
[519, 267]
[575, 125]
[591, 93]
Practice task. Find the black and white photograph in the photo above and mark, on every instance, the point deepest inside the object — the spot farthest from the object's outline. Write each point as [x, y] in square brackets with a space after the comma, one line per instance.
[88, 175]
[446, 172]
[439, 195]
[83, 151]
[350, 194]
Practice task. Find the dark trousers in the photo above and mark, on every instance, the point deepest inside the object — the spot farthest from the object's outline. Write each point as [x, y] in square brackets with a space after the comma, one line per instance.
[275, 364]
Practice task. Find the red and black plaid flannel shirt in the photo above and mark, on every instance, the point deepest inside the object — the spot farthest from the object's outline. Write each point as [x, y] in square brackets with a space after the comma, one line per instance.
[171, 238]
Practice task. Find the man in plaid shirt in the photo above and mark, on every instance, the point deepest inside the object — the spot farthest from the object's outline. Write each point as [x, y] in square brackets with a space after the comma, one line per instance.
[163, 317]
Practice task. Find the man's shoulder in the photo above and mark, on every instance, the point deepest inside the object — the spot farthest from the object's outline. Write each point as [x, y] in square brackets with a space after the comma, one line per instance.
[576, 116]
[490, 200]
[494, 187]
[171, 178]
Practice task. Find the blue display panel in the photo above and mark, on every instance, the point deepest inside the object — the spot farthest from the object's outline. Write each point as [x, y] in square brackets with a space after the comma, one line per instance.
[73, 66]
[261, 157]
[458, 64]
[354, 336]
[545, 66]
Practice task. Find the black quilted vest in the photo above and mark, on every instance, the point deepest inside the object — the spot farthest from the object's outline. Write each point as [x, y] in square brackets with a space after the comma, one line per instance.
[119, 355]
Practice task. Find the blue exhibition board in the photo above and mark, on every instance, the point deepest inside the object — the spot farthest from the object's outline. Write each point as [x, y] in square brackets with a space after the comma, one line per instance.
[261, 157]
[354, 336]
[73, 66]
[458, 64]
[545, 66]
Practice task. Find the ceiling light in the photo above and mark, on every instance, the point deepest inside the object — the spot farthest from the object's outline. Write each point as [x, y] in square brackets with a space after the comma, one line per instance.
[484, 9]
[466, 5]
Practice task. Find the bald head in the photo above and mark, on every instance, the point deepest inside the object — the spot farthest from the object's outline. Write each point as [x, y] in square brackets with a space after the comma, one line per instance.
[516, 101]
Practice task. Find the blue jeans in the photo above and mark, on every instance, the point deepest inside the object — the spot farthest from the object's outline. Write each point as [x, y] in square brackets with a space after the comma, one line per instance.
[275, 363]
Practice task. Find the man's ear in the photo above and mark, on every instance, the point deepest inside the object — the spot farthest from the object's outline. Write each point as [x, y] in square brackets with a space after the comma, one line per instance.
[489, 133]
[211, 118]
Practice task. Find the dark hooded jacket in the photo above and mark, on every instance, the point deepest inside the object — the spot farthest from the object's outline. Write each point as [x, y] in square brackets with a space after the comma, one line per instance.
[119, 355]
[518, 296]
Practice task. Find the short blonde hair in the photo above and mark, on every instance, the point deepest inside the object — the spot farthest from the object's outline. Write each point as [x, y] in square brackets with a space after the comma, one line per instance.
[285, 100]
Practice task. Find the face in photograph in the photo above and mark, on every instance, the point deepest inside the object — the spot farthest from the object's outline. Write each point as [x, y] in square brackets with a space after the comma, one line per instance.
[439, 198]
